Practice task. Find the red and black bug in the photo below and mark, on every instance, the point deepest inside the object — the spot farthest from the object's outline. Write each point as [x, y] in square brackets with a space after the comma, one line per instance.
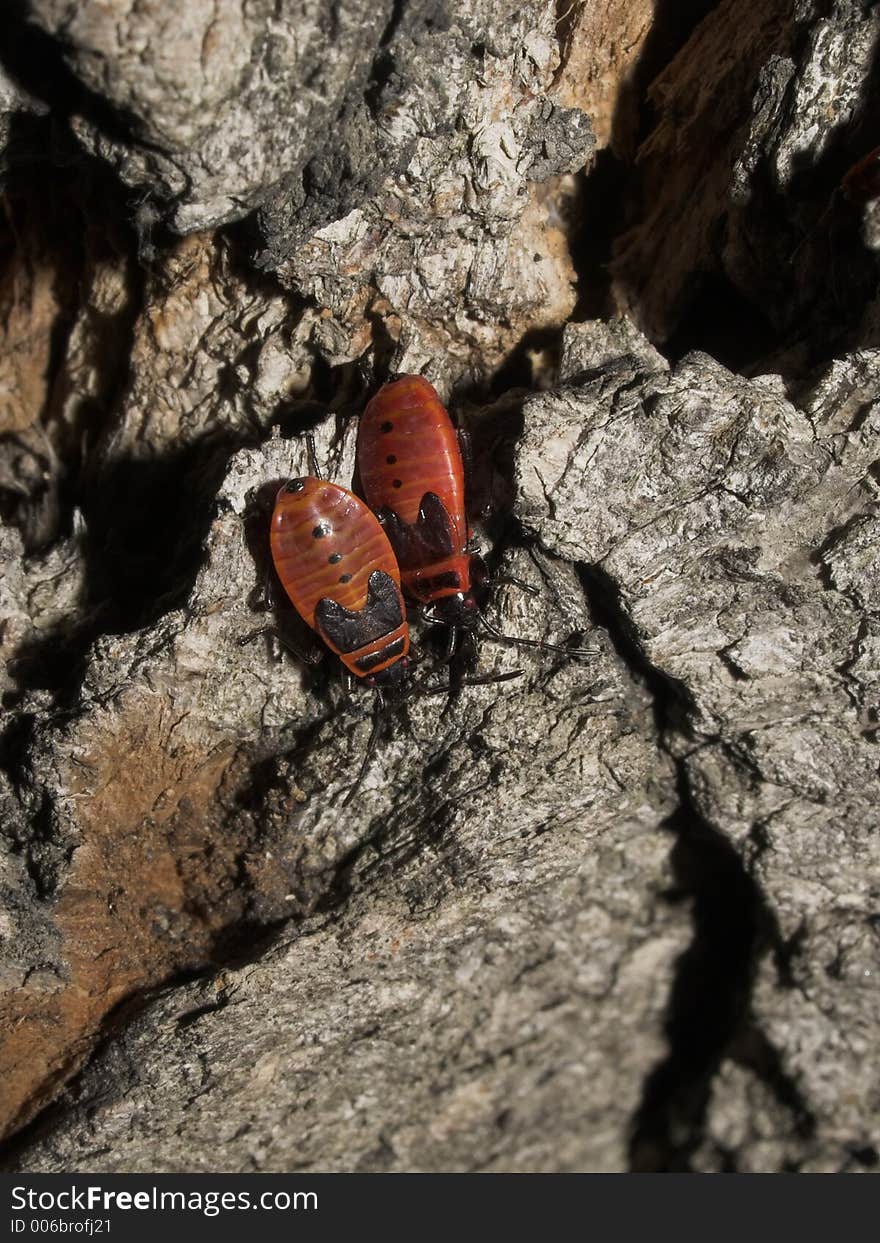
[412, 475]
[337, 567]
[339, 572]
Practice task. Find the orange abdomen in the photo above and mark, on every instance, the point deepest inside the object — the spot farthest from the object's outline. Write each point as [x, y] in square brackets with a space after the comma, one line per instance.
[339, 570]
[407, 446]
[407, 452]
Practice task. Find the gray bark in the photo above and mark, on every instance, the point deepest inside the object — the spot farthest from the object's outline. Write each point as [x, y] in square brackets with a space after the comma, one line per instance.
[617, 912]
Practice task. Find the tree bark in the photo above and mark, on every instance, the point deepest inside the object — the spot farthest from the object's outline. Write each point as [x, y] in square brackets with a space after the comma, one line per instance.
[619, 911]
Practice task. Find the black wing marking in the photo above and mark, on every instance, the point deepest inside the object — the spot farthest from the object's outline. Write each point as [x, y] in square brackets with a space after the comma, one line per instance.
[370, 661]
[348, 629]
[423, 542]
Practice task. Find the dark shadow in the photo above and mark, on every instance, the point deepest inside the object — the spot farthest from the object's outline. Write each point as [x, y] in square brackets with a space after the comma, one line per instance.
[708, 1014]
[517, 371]
[50, 225]
[596, 215]
[672, 702]
[145, 522]
[243, 239]
[791, 278]
[607, 197]
[672, 24]
[35, 61]
[722, 322]
[490, 478]
[810, 275]
[709, 996]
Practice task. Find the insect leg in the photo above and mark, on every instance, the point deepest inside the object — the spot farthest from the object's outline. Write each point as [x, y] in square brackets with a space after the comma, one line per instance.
[815, 227]
[346, 680]
[314, 469]
[256, 634]
[264, 597]
[509, 580]
[312, 657]
[536, 643]
[465, 447]
[428, 614]
[378, 722]
[451, 644]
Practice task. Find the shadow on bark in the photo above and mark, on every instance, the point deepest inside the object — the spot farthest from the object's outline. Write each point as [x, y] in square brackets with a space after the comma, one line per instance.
[708, 1016]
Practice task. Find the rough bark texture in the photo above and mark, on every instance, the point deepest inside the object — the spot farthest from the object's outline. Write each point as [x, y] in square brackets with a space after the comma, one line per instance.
[618, 912]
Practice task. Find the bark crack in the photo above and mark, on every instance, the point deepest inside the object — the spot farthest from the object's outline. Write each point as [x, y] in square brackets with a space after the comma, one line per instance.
[709, 1010]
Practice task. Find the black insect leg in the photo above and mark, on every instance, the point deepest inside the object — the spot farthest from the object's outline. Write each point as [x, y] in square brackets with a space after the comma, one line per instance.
[346, 681]
[539, 644]
[312, 657]
[466, 448]
[312, 455]
[264, 596]
[378, 723]
[508, 580]
[452, 638]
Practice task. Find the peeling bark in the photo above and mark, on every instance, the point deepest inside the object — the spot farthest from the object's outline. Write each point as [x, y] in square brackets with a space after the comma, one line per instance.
[618, 912]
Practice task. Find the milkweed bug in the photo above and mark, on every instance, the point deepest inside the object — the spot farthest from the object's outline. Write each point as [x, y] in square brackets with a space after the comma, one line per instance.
[338, 570]
[412, 475]
[337, 567]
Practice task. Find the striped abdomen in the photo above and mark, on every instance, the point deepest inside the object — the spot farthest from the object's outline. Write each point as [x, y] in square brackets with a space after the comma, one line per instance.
[412, 475]
[338, 568]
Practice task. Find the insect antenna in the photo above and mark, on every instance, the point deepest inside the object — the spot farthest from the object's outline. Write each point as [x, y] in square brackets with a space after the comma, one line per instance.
[378, 722]
[536, 643]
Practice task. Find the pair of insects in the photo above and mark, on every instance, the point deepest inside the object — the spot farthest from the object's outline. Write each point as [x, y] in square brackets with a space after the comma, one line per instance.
[347, 566]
